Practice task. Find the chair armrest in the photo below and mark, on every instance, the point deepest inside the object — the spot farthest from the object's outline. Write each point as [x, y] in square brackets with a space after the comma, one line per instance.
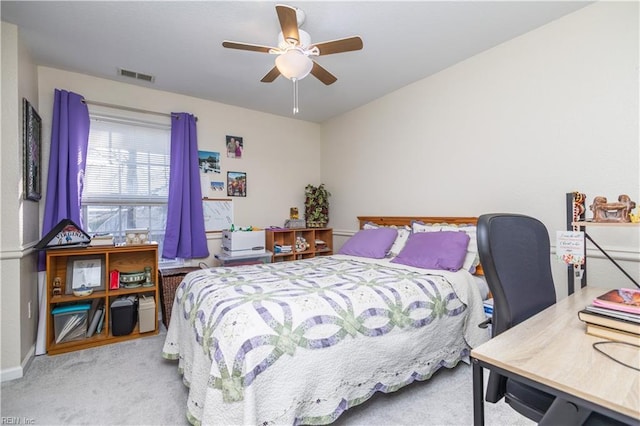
[485, 323]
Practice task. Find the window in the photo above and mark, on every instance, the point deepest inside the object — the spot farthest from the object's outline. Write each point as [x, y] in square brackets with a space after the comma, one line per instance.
[126, 180]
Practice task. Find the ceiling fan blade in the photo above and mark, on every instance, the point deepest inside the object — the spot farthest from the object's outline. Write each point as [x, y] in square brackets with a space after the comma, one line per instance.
[246, 46]
[322, 74]
[271, 75]
[288, 22]
[338, 46]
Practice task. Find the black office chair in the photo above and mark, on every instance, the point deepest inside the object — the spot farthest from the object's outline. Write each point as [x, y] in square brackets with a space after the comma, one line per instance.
[516, 258]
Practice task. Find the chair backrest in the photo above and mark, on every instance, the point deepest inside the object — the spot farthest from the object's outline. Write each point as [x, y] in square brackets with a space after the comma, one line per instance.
[516, 257]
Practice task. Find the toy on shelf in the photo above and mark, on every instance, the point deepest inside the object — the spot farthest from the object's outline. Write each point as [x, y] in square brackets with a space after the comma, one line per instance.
[620, 211]
[301, 244]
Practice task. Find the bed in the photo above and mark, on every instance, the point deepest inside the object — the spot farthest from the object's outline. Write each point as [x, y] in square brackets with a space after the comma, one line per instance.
[301, 342]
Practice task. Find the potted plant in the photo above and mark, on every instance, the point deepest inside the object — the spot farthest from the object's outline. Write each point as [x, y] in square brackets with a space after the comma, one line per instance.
[316, 206]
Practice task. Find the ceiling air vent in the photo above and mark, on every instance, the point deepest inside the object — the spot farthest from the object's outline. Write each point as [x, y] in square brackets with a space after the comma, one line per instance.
[136, 75]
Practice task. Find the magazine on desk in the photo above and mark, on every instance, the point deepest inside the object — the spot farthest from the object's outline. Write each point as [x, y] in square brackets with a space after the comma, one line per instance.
[621, 299]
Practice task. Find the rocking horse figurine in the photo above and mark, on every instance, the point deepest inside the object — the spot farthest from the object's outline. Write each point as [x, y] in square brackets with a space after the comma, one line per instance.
[612, 212]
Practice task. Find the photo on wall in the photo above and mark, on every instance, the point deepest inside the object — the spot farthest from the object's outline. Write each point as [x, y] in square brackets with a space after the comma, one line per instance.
[235, 146]
[236, 184]
[217, 186]
[209, 162]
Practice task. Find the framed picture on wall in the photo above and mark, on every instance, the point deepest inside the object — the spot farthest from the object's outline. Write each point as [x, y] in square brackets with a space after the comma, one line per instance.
[236, 184]
[235, 146]
[209, 162]
[31, 134]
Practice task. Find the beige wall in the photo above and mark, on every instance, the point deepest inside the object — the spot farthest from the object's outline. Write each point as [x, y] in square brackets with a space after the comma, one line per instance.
[280, 156]
[18, 217]
[512, 129]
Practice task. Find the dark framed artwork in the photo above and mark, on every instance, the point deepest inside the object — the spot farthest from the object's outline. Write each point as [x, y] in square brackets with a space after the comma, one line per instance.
[31, 134]
[236, 184]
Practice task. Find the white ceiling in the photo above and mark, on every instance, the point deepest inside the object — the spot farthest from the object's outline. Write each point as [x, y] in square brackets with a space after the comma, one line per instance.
[180, 43]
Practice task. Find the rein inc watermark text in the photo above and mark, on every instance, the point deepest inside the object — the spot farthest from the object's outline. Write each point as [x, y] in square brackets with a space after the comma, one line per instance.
[8, 420]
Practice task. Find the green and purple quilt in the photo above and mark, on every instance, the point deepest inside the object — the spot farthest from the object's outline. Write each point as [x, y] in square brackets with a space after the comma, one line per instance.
[300, 342]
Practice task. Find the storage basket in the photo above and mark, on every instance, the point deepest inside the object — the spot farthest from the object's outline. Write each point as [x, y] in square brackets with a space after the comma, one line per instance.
[170, 279]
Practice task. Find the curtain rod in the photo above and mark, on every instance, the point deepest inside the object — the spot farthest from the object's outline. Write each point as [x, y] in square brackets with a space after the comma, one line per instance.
[126, 108]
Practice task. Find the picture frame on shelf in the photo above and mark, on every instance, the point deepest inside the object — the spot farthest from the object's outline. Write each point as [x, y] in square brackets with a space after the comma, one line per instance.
[32, 142]
[136, 236]
[88, 271]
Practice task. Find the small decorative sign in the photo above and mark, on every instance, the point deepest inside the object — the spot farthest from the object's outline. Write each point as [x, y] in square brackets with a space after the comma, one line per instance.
[64, 234]
[570, 247]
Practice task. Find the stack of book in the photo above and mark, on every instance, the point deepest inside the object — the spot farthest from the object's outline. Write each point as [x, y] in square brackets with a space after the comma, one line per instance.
[101, 240]
[280, 248]
[615, 315]
[488, 307]
[321, 245]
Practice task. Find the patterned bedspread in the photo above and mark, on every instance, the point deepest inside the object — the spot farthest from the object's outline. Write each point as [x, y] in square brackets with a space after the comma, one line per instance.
[300, 342]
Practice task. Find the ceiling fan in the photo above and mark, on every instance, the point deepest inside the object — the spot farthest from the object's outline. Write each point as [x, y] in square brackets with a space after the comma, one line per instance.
[295, 49]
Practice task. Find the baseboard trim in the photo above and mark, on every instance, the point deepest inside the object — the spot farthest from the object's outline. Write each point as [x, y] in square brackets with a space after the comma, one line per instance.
[18, 372]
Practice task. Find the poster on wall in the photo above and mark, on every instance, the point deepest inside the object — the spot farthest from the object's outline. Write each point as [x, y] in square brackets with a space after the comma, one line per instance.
[236, 184]
[217, 186]
[218, 214]
[235, 146]
[209, 162]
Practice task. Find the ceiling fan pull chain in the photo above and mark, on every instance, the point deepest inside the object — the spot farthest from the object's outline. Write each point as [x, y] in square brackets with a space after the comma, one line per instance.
[295, 95]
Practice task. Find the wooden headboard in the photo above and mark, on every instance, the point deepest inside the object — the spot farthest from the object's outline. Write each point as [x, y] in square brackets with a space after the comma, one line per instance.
[406, 220]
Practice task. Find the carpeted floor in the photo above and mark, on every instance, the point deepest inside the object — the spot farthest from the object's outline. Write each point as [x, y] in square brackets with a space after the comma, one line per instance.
[129, 383]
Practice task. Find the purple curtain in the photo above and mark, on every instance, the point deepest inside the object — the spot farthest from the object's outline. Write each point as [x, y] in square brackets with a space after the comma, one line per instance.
[185, 236]
[67, 161]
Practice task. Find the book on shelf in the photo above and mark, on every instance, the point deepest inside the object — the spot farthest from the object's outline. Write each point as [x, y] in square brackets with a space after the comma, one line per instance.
[101, 240]
[625, 325]
[488, 307]
[95, 318]
[613, 334]
[100, 321]
[621, 299]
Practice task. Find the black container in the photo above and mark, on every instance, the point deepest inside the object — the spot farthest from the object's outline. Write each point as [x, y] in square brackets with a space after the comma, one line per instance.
[124, 315]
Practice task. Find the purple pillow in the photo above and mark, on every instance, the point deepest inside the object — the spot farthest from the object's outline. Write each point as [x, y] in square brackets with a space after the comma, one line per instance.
[373, 243]
[435, 250]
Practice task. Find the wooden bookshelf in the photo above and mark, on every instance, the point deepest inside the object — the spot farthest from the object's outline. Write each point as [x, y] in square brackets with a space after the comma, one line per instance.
[288, 237]
[132, 258]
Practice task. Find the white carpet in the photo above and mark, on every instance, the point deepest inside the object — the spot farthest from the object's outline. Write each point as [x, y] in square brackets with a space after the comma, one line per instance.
[129, 383]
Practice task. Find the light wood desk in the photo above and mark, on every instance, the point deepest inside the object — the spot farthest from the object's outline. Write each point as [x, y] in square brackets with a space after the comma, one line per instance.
[552, 352]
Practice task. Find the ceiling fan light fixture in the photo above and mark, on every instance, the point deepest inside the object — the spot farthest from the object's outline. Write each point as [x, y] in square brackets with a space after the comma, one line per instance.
[294, 64]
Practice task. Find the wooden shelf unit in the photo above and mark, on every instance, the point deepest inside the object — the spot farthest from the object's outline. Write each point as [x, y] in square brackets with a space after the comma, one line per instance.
[133, 258]
[592, 223]
[575, 202]
[288, 237]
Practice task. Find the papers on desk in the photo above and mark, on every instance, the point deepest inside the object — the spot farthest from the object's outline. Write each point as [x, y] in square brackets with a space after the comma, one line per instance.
[614, 315]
